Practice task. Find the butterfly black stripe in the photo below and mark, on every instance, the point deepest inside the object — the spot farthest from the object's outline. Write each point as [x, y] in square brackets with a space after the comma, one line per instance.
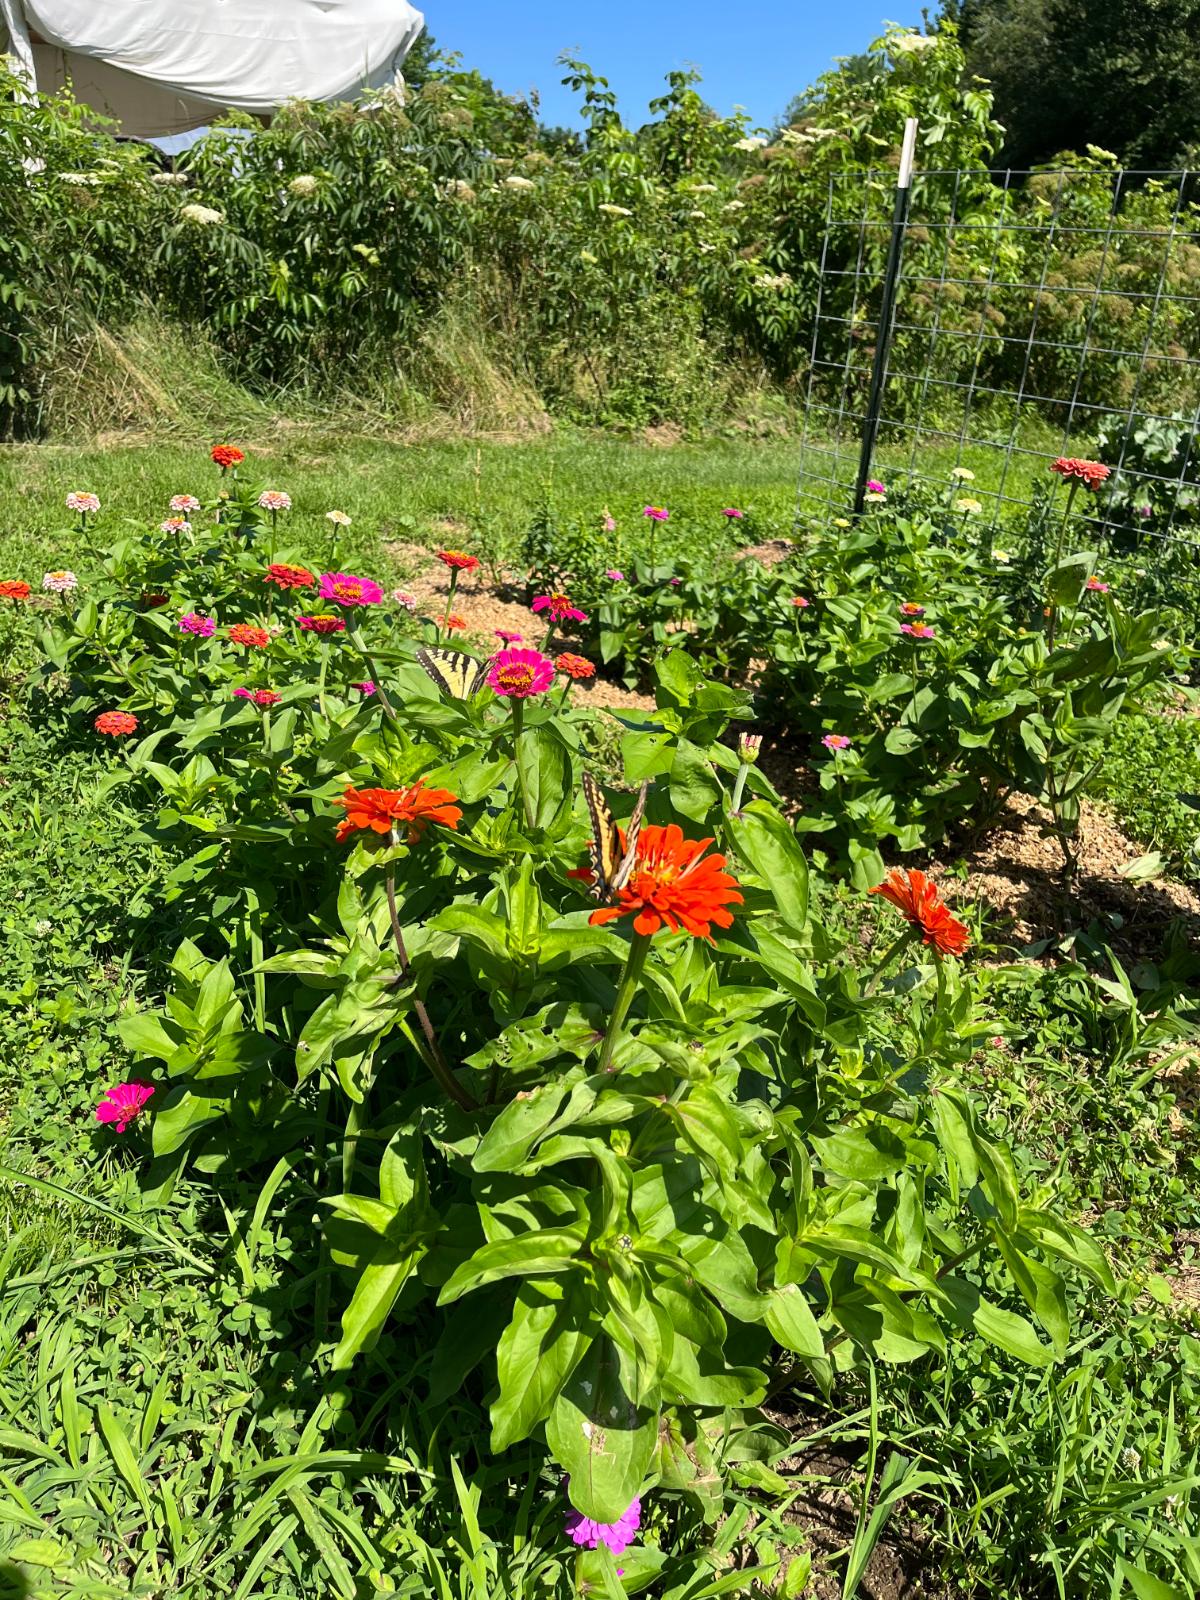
[612, 866]
[458, 675]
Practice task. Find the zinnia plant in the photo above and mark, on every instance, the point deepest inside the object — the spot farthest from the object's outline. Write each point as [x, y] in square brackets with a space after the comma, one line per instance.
[917, 899]
[123, 1104]
[116, 723]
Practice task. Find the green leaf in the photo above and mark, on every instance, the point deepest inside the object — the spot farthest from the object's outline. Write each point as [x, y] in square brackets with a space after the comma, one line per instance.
[599, 1436]
[538, 1251]
[1145, 1585]
[536, 1355]
[545, 767]
[770, 845]
[694, 789]
[790, 1320]
[371, 1303]
[1005, 1329]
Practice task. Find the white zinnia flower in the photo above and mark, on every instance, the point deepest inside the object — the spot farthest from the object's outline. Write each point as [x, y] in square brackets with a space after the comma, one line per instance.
[963, 474]
[60, 582]
[275, 500]
[968, 505]
[338, 517]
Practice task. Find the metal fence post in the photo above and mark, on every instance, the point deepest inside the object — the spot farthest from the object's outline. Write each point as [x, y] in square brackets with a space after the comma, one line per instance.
[887, 312]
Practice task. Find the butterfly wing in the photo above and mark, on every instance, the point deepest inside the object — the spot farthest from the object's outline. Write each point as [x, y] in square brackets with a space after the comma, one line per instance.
[612, 866]
[625, 870]
[458, 675]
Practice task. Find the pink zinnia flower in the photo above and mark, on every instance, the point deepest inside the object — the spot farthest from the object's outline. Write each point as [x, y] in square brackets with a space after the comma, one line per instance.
[275, 500]
[402, 598]
[609, 524]
[917, 630]
[193, 622]
[559, 607]
[1095, 586]
[615, 575]
[733, 513]
[618, 1535]
[347, 590]
[366, 687]
[184, 503]
[260, 697]
[505, 637]
[122, 1103]
[60, 581]
[673, 583]
[836, 741]
[520, 673]
[80, 500]
[656, 513]
[175, 525]
[799, 601]
[910, 608]
[321, 624]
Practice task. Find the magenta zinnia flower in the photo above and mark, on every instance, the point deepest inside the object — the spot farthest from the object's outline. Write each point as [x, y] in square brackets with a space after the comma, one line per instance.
[347, 590]
[366, 687]
[836, 741]
[520, 673]
[193, 622]
[505, 637]
[618, 1535]
[615, 575]
[122, 1103]
[559, 607]
[733, 513]
[875, 487]
[1094, 586]
[656, 513]
[917, 630]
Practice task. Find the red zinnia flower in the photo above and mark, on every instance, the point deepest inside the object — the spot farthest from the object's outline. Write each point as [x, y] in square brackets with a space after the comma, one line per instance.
[246, 633]
[674, 884]
[115, 722]
[14, 589]
[916, 897]
[455, 623]
[227, 455]
[260, 697]
[574, 666]
[321, 624]
[381, 809]
[288, 577]
[1090, 473]
[459, 560]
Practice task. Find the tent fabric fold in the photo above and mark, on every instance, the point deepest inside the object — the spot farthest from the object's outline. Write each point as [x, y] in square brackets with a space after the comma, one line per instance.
[165, 66]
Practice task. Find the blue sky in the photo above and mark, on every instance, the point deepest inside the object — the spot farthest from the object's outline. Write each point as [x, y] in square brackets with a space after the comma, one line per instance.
[756, 54]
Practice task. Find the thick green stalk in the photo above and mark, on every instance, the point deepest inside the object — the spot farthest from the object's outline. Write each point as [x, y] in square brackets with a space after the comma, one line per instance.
[518, 713]
[635, 962]
[740, 786]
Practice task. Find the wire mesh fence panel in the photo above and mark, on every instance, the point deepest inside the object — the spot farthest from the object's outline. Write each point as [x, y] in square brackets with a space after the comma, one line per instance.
[1037, 315]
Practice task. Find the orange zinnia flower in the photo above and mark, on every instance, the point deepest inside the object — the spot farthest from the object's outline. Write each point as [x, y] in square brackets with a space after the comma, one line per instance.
[676, 884]
[246, 633]
[288, 577]
[14, 589]
[381, 809]
[916, 897]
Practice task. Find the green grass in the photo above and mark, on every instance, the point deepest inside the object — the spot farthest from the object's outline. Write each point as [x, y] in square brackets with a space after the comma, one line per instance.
[1150, 765]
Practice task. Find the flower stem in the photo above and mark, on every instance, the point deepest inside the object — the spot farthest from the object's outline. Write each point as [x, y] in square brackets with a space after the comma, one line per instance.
[635, 962]
[562, 699]
[450, 601]
[321, 679]
[891, 950]
[360, 645]
[1052, 619]
[518, 714]
[432, 1051]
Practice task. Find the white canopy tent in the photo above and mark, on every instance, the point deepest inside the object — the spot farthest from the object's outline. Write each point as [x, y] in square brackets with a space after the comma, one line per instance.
[162, 67]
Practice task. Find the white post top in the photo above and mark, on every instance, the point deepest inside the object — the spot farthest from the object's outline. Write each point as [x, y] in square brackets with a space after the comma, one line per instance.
[908, 152]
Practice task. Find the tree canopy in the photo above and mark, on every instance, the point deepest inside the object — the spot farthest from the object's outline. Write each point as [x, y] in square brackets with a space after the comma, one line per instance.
[1121, 74]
